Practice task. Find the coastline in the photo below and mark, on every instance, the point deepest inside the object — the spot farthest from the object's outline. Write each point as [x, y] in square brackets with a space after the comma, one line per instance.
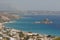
[16, 33]
[27, 30]
[1, 24]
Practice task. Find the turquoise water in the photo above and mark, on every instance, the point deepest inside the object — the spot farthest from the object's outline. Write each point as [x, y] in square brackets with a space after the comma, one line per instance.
[25, 23]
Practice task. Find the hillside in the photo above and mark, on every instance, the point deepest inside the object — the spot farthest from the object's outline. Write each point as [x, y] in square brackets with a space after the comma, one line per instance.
[4, 17]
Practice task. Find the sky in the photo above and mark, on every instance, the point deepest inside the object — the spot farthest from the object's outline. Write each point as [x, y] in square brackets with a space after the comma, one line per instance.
[30, 4]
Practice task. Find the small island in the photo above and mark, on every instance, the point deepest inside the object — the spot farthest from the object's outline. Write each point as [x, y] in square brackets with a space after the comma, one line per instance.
[45, 21]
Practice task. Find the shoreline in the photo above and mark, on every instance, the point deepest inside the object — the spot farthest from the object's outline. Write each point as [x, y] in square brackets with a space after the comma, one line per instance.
[14, 32]
[27, 31]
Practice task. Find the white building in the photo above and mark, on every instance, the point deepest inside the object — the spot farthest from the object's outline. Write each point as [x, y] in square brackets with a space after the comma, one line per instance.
[11, 38]
[30, 39]
[1, 38]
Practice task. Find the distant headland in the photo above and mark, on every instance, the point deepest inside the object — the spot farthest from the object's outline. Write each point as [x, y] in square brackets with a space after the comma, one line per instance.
[32, 12]
[6, 17]
[39, 12]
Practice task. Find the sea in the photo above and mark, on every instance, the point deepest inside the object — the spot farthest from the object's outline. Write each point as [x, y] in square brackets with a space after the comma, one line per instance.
[26, 23]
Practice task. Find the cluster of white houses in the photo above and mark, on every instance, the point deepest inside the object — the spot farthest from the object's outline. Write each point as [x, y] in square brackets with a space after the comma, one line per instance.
[12, 34]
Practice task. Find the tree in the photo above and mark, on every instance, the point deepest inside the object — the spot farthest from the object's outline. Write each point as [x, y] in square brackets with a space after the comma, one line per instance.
[21, 34]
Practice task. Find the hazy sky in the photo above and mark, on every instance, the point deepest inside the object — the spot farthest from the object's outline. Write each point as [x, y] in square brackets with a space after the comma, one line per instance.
[31, 4]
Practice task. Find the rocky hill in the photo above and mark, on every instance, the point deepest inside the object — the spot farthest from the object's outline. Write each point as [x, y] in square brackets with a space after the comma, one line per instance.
[4, 17]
